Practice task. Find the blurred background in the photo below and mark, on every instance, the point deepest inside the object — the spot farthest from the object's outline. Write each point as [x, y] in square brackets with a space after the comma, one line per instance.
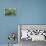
[27, 12]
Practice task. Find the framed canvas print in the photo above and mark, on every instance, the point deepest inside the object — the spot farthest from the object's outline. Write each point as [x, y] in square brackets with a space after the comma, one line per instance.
[10, 11]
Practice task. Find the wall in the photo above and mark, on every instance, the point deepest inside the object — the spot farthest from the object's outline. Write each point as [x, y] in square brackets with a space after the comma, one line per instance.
[28, 12]
[33, 12]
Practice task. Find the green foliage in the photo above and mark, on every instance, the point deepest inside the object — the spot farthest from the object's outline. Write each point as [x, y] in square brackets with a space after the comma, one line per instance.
[10, 12]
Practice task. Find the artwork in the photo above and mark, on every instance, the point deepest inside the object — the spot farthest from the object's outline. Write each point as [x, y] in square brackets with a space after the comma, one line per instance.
[10, 11]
